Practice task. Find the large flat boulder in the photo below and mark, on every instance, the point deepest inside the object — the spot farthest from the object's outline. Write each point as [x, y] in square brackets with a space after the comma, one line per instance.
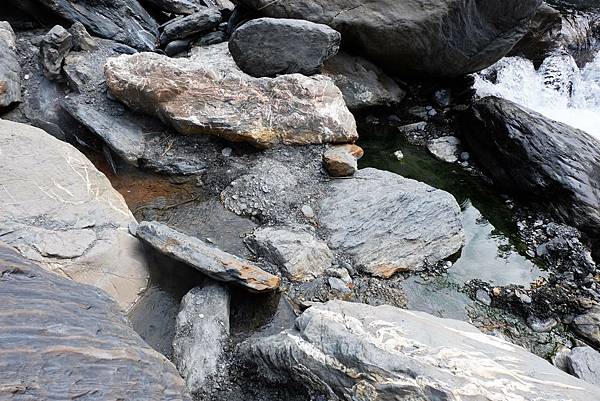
[389, 223]
[60, 211]
[353, 351]
[10, 70]
[125, 21]
[209, 94]
[435, 37]
[210, 260]
[62, 340]
[537, 158]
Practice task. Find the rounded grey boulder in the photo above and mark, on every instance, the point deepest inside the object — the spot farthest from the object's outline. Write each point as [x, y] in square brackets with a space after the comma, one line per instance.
[269, 46]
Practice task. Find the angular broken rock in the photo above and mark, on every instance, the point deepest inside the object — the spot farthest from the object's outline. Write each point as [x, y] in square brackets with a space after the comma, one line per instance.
[10, 69]
[62, 340]
[184, 7]
[362, 83]
[389, 223]
[200, 21]
[353, 351]
[265, 47]
[209, 94]
[56, 45]
[342, 160]
[582, 362]
[211, 261]
[201, 330]
[82, 40]
[444, 148]
[302, 256]
[587, 325]
[60, 211]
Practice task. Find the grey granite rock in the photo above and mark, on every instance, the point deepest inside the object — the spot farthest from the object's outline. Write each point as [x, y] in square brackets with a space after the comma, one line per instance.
[62, 340]
[60, 211]
[445, 148]
[389, 223]
[10, 69]
[184, 7]
[297, 252]
[352, 351]
[587, 325]
[362, 83]
[209, 94]
[208, 259]
[201, 333]
[584, 363]
[266, 47]
[203, 20]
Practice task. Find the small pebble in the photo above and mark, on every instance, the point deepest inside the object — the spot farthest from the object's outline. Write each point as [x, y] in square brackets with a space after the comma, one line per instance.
[399, 155]
[226, 152]
[308, 212]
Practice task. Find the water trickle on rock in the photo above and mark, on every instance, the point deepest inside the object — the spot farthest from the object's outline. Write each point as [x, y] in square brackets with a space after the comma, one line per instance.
[558, 89]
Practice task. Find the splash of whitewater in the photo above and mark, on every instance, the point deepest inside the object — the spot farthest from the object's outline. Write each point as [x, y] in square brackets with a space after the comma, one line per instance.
[559, 89]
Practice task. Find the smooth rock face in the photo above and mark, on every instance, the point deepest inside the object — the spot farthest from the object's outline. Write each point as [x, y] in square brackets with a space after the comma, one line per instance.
[342, 160]
[60, 211]
[301, 256]
[584, 363]
[180, 28]
[362, 83]
[62, 340]
[359, 352]
[389, 223]
[10, 70]
[538, 158]
[211, 261]
[202, 328]
[266, 47]
[56, 45]
[435, 37]
[125, 21]
[209, 94]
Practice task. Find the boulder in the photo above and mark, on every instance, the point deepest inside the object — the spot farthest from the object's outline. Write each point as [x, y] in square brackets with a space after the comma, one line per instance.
[444, 148]
[298, 253]
[201, 331]
[342, 160]
[389, 223]
[10, 69]
[362, 83]
[208, 259]
[137, 139]
[446, 38]
[60, 211]
[537, 158]
[182, 7]
[209, 94]
[180, 28]
[354, 351]
[62, 340]
[125, 21]
[587, 325]
[56, 45]
[266, 47]
[584, 363]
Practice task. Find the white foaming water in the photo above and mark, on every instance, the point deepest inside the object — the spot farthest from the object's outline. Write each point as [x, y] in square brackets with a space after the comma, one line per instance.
[559, 89]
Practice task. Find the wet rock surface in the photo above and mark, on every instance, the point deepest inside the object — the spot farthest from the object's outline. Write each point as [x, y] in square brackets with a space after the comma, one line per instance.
[62, 212]
[208, 259]
[74, 340]
[374, 209]
[271, 46]
[201, 331]
[10, 69]
[347, 350]
[241, 108]
[413, 37]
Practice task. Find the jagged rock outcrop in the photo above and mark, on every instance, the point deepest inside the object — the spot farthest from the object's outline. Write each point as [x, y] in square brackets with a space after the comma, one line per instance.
[208, 259]
[435, 37]
[62, 340]
[209, 94]
[354, 351]
[10, 70]
[389, 223]
[537, 158]
[267, 47]
[125, 21]
[60, 211]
